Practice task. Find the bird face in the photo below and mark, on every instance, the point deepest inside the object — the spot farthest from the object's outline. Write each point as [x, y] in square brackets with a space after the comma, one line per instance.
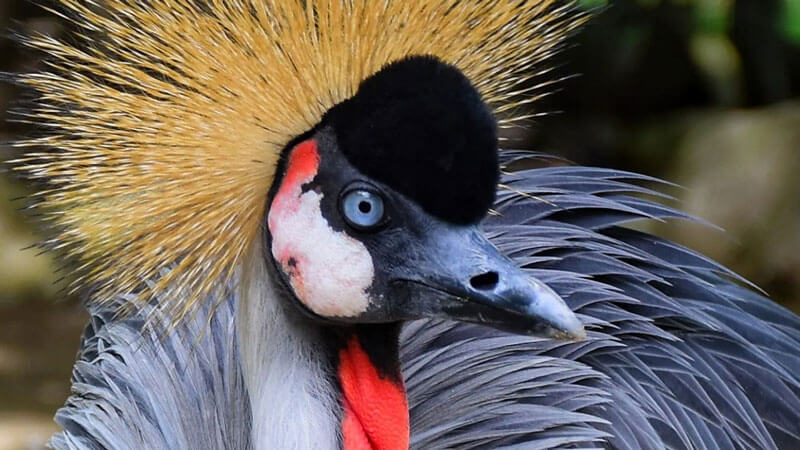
[374, 215]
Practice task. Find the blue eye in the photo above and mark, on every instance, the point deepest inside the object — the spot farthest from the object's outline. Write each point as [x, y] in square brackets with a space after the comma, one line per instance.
[362, 209]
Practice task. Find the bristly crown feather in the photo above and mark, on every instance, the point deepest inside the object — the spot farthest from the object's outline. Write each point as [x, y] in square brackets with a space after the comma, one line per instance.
[165, 118]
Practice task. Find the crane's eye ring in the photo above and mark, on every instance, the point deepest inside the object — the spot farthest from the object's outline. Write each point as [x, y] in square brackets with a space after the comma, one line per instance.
[363, 209]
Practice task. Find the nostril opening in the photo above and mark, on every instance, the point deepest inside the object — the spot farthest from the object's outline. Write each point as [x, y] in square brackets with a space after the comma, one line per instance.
[485, 281]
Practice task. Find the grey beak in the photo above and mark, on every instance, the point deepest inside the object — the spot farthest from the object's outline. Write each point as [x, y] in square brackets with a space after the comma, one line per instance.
[461, 276]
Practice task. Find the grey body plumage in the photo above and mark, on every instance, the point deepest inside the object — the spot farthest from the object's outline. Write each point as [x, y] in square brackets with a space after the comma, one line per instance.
[136, 389]
[679, 353]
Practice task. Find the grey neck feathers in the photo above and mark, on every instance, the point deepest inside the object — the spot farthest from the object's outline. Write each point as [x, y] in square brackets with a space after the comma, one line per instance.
[286, 369]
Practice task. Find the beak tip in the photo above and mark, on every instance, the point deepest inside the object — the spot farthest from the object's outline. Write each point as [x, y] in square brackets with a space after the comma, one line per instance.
[564, 324]
[569, 328]
[574, 335]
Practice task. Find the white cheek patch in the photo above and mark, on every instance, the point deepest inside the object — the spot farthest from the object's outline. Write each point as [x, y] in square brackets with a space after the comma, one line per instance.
[329, 271]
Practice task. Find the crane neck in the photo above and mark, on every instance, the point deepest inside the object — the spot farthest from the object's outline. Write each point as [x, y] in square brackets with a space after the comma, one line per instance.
[316, 386]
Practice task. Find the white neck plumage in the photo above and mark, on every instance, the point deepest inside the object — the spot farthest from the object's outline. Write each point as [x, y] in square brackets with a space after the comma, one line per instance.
[286, 369]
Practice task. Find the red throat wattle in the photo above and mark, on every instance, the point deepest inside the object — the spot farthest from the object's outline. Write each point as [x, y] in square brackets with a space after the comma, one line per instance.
[375, 406]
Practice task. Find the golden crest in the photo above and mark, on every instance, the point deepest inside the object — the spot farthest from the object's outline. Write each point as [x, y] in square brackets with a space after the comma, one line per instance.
[166, 118]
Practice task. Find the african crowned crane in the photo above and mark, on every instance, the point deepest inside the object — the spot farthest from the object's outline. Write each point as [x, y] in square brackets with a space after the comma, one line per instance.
[257, 193]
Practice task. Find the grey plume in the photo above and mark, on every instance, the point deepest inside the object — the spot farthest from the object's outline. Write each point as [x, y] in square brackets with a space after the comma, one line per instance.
[680, 354]
[134, 389]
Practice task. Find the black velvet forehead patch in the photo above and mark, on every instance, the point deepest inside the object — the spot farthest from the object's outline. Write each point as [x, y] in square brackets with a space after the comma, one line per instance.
[420, 127]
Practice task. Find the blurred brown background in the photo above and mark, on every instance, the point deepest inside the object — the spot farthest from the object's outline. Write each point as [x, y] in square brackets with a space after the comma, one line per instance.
[704, 93]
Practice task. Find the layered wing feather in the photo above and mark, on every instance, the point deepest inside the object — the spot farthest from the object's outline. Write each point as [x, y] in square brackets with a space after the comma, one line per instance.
[680, 354]
[134, 388]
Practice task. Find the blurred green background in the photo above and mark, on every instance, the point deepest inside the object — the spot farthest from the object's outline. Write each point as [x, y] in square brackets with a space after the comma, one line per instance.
[704, 93]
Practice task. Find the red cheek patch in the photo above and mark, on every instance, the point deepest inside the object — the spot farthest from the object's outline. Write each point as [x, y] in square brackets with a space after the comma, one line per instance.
[302, 168]
[329, 271]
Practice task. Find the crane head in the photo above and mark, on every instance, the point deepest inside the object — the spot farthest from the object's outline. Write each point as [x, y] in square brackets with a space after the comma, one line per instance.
[165, 151]
[374, 214]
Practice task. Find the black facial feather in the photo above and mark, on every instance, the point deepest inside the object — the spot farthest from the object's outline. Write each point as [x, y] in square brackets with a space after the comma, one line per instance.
[420, 127]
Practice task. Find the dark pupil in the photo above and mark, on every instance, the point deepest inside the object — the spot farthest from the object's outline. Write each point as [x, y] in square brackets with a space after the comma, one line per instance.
[364, 207]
